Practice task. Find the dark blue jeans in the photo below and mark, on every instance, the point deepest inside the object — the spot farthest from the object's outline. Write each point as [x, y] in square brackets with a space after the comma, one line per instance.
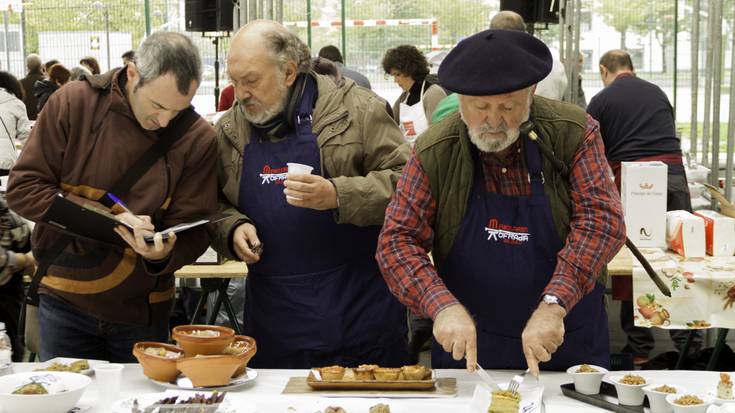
[68, 332]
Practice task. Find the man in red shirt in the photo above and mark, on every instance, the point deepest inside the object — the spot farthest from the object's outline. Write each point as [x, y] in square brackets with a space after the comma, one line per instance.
[519, 242]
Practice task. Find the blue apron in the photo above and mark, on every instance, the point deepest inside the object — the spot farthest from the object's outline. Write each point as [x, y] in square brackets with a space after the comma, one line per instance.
[502, 259]
[316, 297]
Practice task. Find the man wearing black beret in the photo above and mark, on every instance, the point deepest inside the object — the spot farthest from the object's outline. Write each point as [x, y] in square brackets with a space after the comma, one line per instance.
[512, 197]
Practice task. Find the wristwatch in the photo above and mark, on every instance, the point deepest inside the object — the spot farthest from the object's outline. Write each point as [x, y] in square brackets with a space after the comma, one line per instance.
[551, 299]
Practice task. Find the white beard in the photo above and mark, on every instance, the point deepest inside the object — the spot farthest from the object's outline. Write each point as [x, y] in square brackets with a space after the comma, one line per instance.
[266, 114]
[489, 143]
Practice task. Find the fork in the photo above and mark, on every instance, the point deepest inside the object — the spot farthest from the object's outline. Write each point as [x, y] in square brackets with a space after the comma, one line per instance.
[515, 383]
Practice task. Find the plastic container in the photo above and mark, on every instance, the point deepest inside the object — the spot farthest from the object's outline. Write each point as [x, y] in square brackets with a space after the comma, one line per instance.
[6, 352]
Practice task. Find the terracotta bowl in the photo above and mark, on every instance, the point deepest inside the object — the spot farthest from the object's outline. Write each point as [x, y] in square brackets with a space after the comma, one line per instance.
[205, 345]
[156, 367]
[244, 348]
[206, 371]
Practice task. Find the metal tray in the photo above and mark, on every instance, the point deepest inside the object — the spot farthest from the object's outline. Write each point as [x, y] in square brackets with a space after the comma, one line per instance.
[607, 399]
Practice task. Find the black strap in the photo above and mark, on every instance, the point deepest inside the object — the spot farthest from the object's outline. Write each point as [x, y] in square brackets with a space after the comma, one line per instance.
[166, 138]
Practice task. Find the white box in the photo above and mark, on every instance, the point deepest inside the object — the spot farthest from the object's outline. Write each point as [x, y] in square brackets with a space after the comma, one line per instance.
[685, 233]
[719, 233]
[643, 194]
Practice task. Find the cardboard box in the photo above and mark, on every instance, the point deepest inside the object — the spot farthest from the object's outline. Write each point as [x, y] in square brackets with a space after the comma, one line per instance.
[719, 233]
[685, 233]
[643, 194]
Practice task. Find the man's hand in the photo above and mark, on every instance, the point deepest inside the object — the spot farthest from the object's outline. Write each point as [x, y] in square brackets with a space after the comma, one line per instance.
[142, 226]
[544, 333]
[454, 330]
[244, 238]
[310, 191]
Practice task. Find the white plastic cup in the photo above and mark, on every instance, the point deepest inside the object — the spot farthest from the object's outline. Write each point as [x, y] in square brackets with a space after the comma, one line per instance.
[108, 377]
[299, 168]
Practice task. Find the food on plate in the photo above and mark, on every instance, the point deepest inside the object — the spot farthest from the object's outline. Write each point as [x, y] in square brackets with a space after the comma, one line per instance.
[202, 333]
[665, 389]
[363, 373]
[724, 387]
[334, 409]
[202, 404]
[504, 401]
[162, 352]
[416, 372]
[586, 368]
[384, 373]
[688, 400]
[74, 367]
[31, 388]
[632, 379]
[380, 408]
[332, 372]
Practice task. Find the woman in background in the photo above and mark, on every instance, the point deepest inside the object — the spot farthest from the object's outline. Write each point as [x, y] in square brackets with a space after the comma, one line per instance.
[58, 75]
[14, 124]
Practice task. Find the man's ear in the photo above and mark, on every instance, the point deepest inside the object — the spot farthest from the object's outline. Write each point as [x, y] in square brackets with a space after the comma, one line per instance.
[603, 71]
[132, 71]
[291, 73]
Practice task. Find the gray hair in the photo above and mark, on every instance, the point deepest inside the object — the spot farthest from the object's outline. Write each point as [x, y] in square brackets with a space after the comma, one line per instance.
[33, 62]
[285, 46]
[79, 71]
[169, 52]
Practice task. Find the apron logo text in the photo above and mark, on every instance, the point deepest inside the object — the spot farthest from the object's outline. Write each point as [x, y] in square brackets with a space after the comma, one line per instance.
[276, 176]
[506, 234]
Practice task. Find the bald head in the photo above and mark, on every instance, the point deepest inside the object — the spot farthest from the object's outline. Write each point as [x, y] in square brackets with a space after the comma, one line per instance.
[508, 20]
[614, 63]
[267, 36]
[33, 63]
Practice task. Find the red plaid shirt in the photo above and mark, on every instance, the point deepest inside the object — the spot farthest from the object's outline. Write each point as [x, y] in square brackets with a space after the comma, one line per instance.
[597, 230]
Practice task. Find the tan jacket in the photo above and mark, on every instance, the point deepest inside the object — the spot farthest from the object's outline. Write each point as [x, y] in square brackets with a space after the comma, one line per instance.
[360, 145]
[83, 141]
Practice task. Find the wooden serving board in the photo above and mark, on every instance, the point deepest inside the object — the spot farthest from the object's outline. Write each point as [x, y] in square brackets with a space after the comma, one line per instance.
[438, 387]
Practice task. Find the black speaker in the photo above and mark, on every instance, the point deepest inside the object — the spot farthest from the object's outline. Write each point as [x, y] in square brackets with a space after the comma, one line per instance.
[208, 15]
[534, 11]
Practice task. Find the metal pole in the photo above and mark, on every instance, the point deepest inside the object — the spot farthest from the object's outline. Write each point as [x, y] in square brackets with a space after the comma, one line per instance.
[7, 33]
[269, 10]
[279, 11]
[676, 49]
[252, 10]
[23, 34]
[344, 32]
[730, 125]
[147, 10]
[695, 81]
[706, 135]
[107, 35]
[574, 84]
[562, 23]
[716, 90]
[308, 23]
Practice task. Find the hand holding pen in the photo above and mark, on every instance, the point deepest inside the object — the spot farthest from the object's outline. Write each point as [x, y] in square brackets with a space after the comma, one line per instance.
[141, 226]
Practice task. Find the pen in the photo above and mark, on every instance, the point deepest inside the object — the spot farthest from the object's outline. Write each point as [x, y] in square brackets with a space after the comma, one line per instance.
[119, 202]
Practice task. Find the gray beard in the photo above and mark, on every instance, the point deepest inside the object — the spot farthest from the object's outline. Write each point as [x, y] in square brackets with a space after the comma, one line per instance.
[491, 144]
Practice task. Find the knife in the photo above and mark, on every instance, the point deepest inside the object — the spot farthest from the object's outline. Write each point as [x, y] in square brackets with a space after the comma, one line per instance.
[487, 379]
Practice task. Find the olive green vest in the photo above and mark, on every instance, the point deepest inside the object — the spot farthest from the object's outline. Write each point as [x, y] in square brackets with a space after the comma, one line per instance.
[445, 154]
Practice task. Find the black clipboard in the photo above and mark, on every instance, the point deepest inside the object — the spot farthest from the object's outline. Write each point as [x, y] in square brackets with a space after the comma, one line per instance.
[89, 222]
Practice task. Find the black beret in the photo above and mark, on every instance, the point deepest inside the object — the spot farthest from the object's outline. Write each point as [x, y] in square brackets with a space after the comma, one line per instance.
[493, 62]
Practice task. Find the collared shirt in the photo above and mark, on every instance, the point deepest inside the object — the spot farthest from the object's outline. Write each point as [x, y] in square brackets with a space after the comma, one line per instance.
[596, 231]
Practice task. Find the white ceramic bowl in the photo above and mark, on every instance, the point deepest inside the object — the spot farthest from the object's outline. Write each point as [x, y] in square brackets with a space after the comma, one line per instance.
[61, 402]
[657, 400]
[587, 383]
[629, 394]
[698, 408]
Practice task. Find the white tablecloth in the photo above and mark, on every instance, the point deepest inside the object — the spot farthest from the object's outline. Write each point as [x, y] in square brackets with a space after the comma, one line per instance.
[265, 392]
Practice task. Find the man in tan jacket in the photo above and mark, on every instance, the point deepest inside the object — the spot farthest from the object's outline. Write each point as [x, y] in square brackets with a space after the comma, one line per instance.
[314, 295]
[98, 299]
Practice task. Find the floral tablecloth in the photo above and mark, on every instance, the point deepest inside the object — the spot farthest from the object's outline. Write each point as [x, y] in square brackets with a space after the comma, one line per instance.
[702, 292]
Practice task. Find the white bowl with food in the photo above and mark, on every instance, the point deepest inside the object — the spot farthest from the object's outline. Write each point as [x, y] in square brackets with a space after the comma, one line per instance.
[630, 389]
[41, 391]
[587, 377]
[689, 402]
[657, 393]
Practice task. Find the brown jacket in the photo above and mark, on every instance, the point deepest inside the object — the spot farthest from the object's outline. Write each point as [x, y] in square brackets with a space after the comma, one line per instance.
[84, 140]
